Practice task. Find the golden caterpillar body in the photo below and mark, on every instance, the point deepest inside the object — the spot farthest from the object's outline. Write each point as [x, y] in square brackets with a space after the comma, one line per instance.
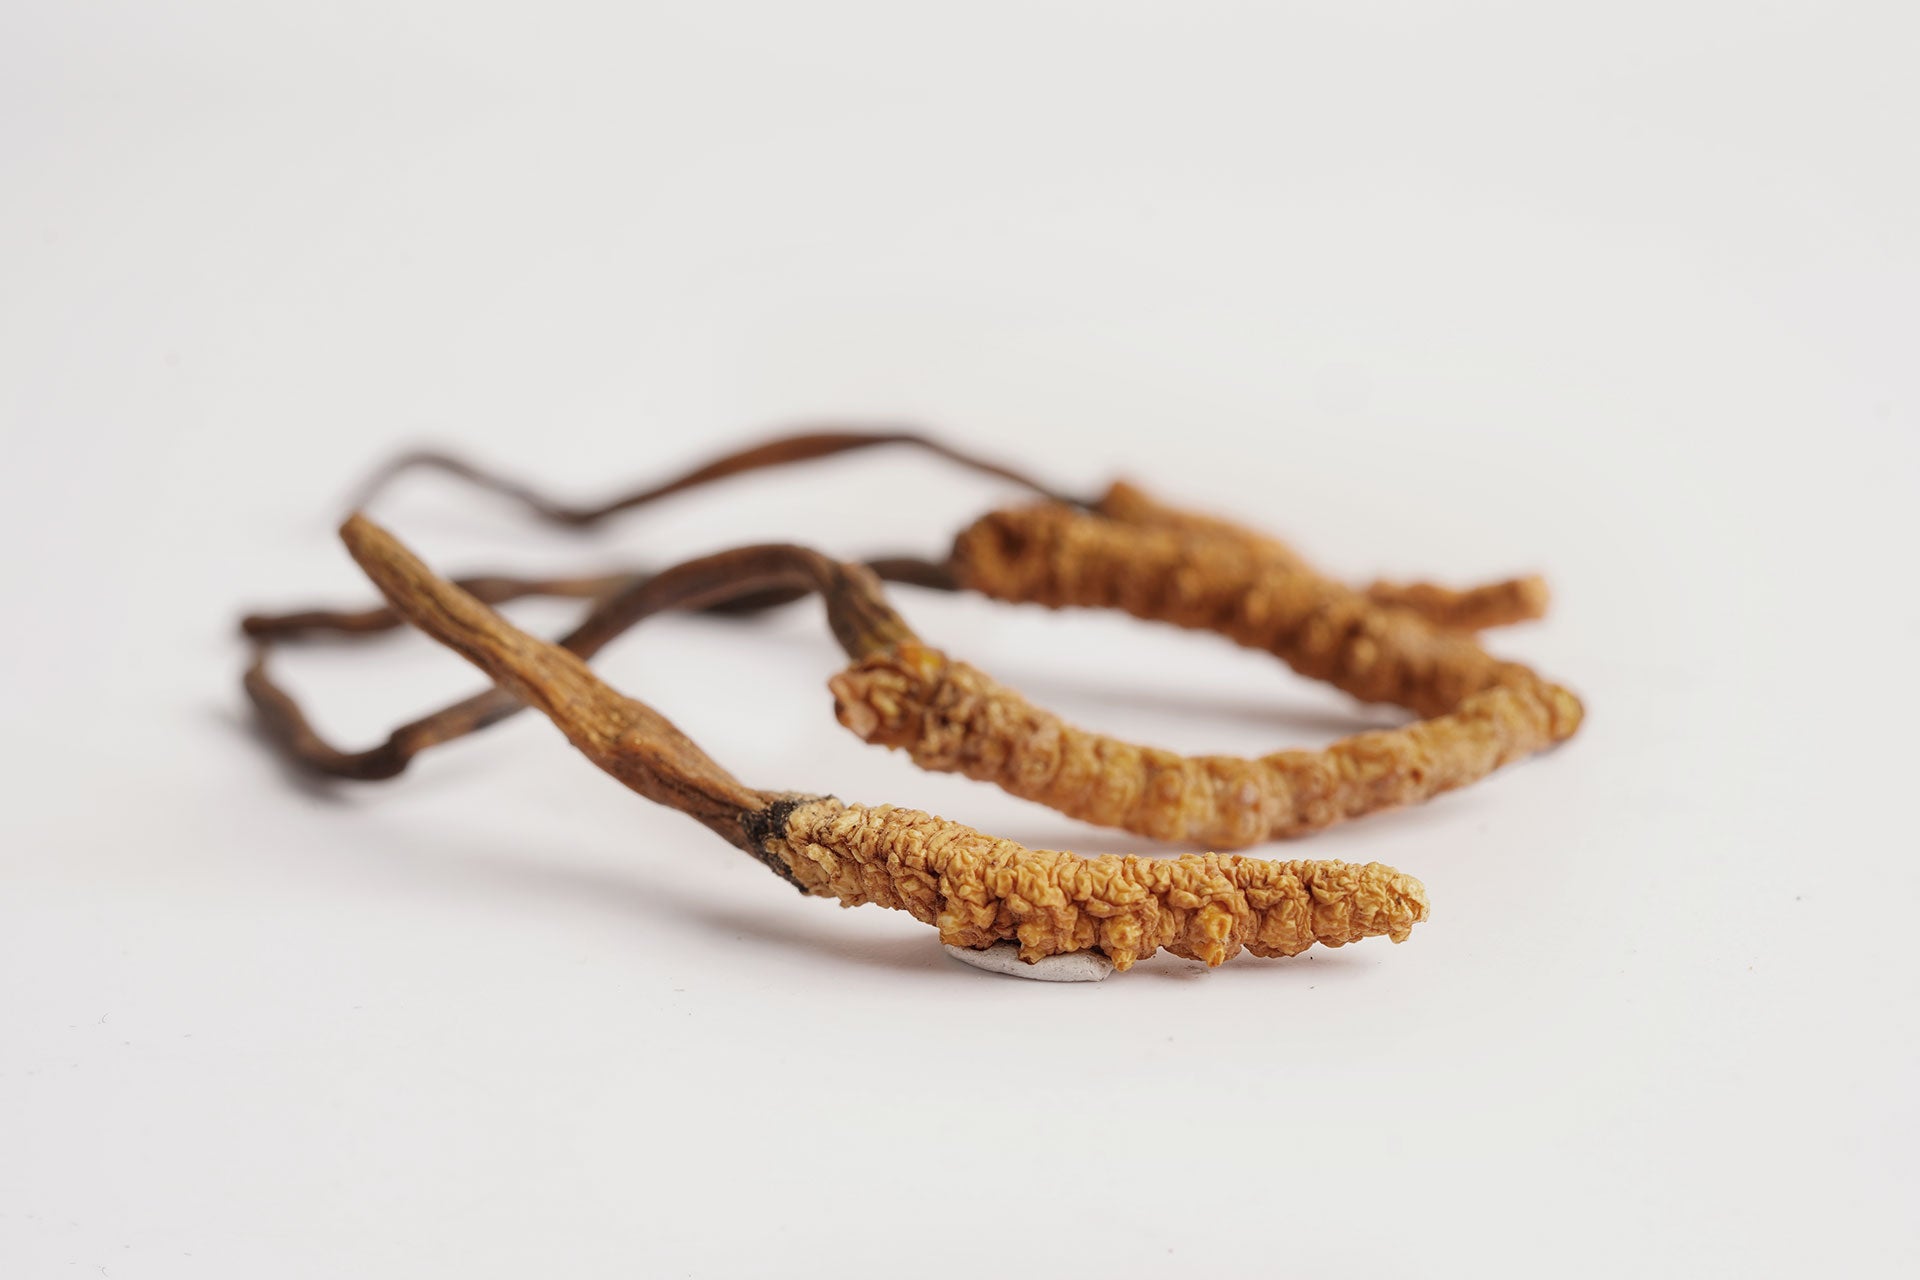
[1047, 555]
[978, 889]
[1494, 604]
[952, 718]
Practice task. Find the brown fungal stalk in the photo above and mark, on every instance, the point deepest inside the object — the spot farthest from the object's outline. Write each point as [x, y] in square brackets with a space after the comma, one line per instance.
[974, 888]
[781, 451]
[733, 581]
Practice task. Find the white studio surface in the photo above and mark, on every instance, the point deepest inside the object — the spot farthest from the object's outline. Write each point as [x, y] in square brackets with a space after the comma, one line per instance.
[1629, 296]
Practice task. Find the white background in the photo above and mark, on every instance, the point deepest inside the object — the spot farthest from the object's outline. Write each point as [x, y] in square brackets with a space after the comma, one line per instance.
[1629, 294]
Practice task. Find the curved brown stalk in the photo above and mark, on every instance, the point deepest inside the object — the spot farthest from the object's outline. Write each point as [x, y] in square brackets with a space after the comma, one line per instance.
[779, 452]
[496, 588]
[490, 588]
[753, 574]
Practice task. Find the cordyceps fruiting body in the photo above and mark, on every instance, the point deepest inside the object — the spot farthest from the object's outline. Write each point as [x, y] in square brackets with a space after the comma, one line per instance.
[974, 888]
[1410, 644]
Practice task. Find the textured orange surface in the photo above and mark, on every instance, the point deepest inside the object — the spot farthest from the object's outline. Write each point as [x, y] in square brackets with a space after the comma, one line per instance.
[1051, 555]
[1479, 712]
[1495, 604]
[952, 718]
[1127, 503]
[978, 890]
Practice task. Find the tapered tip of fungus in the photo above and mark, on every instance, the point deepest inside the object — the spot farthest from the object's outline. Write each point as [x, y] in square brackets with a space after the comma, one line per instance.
[1565, 713]
[1383, 902]
[1413, 906]
[1532, 596]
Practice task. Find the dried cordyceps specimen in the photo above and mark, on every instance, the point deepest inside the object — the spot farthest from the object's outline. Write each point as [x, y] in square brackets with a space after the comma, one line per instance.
[952, 718]
[1137, 555]
[979, 890]
[1046, 554]
[1494, 604]
[976, 889]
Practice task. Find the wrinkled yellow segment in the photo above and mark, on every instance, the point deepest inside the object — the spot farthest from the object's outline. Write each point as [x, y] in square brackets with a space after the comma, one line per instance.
[952, 718]
[1053, 556]
[1491, 604]
[978, 889]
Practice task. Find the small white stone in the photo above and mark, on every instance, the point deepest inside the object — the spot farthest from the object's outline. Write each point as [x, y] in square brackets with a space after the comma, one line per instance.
[1004, 957]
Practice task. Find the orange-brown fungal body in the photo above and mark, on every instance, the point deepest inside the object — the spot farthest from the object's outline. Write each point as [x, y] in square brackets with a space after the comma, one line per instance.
[952, 718]
[1495, 604]
[1049, 555]
[1126, 503]
[978, 889]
